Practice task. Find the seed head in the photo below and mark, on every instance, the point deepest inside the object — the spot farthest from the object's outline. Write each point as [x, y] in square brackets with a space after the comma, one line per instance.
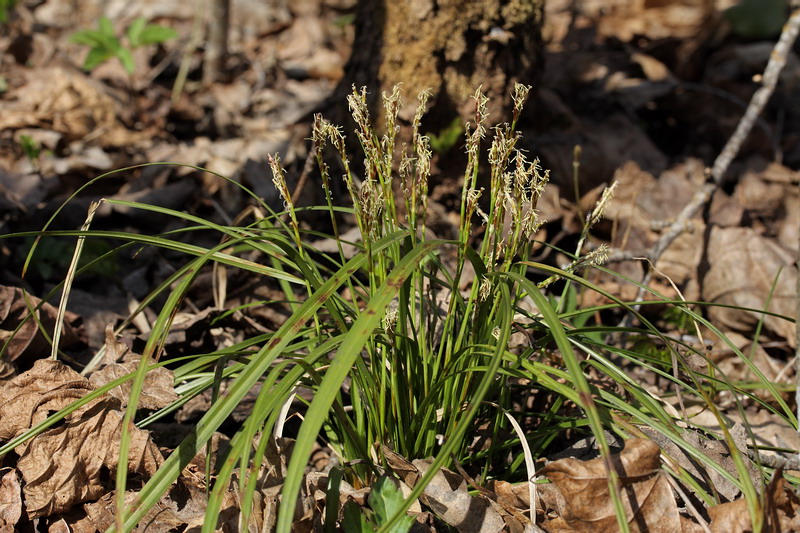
[484, 290]
[520, 95]
[602, 204]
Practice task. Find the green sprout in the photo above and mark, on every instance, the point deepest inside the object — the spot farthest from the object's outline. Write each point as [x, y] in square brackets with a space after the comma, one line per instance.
[104, 44]
[5, 7]
[385, 499]
[448, 136]
[30, 147]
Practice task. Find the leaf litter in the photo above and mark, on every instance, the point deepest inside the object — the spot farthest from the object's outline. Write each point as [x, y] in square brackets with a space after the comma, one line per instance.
[72, 461]
[87, 125]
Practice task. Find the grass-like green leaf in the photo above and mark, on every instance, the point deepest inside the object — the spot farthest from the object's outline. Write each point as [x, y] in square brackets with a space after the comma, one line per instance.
[350, 349]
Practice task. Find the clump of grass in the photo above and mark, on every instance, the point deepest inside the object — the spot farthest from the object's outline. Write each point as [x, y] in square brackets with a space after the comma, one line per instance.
[397, 355]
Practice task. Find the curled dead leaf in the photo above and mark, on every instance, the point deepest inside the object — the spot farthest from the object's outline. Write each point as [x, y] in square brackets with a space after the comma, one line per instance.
[158, 389]
[10, 500]
[743, 266]
[71, 462]
[646, 493]
[28, 340]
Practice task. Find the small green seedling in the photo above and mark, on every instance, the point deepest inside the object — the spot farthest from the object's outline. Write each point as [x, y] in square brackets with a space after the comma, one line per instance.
[30, 147]
[448, 136]
[104, 44]
[385, 499]
[5, 7]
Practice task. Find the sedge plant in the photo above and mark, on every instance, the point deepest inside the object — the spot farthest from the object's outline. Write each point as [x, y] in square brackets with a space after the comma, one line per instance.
[399, 355]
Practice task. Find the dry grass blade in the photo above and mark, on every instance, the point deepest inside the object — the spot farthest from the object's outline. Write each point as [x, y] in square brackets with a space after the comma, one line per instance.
[73, 266]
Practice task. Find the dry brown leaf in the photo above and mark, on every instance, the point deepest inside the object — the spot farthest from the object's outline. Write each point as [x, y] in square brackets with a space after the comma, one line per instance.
[80, 523]
[743, 265]
[30, 397]
[158, 389]
[646, 493]
[447, 494]
[513, 500]
[759, 195]
[29, 340]
[66, 465]
[7, 370]
[59, 525]
[780, 511]
[770, 429]
[161, 518]
[401, 466]
[731, 517]
[639, 201]
[10, 500]
[623, 19]
[68, 102]
[736, 369]
[782, 505]
[708, 478]
[71, 462]
[789, 226]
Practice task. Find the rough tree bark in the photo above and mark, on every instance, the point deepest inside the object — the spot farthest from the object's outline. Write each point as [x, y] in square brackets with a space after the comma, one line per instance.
[448, 46]
[217, 51]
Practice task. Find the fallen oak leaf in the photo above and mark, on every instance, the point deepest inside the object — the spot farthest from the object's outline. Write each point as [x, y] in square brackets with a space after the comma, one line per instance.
[158, 389]
[73, 462]
[10, 500]
[646, 493]
[780, 511]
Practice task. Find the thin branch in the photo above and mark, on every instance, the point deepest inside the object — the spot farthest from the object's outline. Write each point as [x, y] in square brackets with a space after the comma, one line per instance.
[775, 461]
[777, 61]
[760, 98]
[797, 336]
[308, 166]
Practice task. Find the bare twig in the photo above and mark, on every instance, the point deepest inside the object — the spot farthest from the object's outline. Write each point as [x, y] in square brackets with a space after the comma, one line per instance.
[777, 61]
[757, 102]
[217, 51]
[775, 461]
[308, 166]
[797, 337]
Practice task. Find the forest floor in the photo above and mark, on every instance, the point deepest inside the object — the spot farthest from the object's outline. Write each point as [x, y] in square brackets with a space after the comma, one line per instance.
[650, 94]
